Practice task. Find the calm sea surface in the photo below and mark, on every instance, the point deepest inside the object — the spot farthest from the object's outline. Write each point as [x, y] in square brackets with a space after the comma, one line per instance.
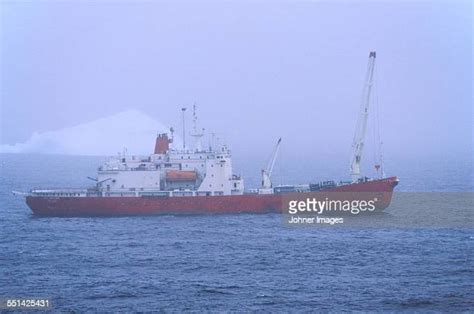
[417, 256]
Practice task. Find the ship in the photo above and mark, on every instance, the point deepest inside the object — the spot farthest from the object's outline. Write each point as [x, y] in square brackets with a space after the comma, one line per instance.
[176, 180]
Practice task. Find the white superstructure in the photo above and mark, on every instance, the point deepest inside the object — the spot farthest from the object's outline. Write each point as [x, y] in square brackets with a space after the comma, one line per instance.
[170, 169]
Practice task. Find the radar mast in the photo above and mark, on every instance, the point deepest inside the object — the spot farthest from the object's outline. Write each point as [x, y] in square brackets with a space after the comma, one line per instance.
[197, 133]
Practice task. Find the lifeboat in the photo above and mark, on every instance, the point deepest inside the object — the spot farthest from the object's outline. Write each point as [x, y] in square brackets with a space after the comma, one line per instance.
[181, 175]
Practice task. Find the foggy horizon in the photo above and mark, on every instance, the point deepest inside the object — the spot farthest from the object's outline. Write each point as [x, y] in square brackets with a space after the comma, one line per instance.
[257, 71]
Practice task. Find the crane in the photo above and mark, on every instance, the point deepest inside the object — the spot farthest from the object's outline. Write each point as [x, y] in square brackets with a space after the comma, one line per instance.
[361, 127]
[267, 173]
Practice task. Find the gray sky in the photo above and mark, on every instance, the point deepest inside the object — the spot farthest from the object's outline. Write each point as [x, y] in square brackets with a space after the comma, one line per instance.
[258, 71]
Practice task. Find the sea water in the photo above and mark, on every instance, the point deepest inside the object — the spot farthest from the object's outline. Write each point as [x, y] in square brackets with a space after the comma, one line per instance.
[416, 256]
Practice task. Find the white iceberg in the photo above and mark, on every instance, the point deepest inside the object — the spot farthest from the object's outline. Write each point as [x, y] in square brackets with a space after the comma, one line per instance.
[130, 129]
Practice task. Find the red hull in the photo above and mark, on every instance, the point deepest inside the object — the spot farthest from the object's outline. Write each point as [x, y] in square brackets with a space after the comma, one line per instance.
[247, 203]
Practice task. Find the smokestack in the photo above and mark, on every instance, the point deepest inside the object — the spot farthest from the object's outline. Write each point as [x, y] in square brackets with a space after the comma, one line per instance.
[162, 144]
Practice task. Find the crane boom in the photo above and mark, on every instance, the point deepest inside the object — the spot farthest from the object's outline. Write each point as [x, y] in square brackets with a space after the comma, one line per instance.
[267, 173]
[271, 162]
[361, 128]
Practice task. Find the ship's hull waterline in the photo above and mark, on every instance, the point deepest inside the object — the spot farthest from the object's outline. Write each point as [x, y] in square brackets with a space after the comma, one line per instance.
[381, 190]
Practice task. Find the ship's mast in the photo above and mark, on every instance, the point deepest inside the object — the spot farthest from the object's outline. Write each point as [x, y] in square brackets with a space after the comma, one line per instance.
[184, 129]
[197, 133]
[361, 128]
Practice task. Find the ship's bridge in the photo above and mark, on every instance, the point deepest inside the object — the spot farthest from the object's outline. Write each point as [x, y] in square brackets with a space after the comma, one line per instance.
[207, 172]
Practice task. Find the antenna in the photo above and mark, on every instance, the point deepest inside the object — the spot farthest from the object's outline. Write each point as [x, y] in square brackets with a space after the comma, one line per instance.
[211, 141]
[184, 129]
[197, 133]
